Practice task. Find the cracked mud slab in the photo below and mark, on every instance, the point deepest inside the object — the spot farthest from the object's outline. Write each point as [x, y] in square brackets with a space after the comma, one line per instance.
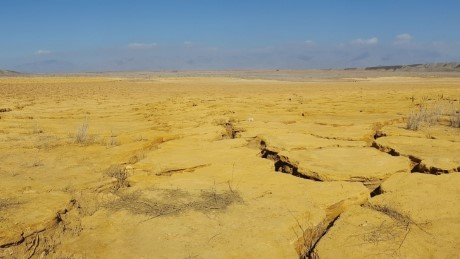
[265, 217]
[434, 155]
[294, 141]
[34, 212]
[416, 217]
[366, 165]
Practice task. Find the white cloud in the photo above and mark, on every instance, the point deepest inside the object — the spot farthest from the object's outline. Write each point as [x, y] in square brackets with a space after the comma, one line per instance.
[292, 55]
[309, 43]
[403, 39]
[42, 52]
[136, 45]
[370, 41]
[188, 43]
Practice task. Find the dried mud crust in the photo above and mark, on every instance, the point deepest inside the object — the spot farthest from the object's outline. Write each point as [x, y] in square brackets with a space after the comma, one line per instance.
[44, 241]
[173, 201]
[122, 194]
[395, 231]
[409, 219]
[423, 161]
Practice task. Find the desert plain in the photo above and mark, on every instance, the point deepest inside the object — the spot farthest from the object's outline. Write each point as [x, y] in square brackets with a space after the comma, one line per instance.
[151, 166]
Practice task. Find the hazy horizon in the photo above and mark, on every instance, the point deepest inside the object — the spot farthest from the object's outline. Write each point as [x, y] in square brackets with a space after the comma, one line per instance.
[90, 36]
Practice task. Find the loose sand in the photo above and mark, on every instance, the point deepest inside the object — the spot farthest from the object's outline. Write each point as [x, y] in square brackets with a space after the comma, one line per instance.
[105, 167]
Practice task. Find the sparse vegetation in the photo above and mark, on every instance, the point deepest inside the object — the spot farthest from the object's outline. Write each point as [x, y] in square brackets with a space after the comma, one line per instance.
[37, 162]
[81, 136]
[113, 139]
[414, 121]
[432, 115]
[455, 118]
[6, 203]
[120, 174]
[174, 201]
[424, 116]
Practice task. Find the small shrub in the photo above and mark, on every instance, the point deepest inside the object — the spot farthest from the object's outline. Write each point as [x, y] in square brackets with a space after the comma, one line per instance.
[82, 133]
[37, 162]
[424, 116]
[414, 121]
[434, 114]
[455, 119]
[118, 172]
[114, 141]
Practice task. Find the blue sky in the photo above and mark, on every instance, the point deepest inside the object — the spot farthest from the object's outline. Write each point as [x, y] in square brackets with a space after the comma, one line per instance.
[103, 35]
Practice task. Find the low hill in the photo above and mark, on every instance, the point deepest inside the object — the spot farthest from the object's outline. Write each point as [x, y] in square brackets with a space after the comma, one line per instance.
[435, 67]
[9, 73]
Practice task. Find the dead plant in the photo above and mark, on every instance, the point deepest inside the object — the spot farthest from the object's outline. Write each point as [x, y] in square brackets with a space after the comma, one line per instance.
[119, 173]
[455, 118]
[81, 137]
[173, 201]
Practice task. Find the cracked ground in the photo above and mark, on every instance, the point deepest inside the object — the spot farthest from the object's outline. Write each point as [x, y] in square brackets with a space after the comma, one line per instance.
[100, 167]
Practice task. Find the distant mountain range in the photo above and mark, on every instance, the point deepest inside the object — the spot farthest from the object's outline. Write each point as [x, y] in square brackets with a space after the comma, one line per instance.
[47, 66]
[9, 73]
[435, 67]
[62, 67]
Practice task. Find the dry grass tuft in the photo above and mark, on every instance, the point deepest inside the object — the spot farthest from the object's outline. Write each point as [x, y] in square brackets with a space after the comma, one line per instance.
[212, 200]
[37, 162]
[7, 203]
[113, 139]
[120, 174]
[81, 137]
[136, 204]
[5, 110]
[455, 118]
[395, 231]
[444, 113]
[425, 116]
[398, 217]
[173, 201]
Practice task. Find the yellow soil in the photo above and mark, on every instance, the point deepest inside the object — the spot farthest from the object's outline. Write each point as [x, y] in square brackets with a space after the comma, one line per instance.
[148, 168]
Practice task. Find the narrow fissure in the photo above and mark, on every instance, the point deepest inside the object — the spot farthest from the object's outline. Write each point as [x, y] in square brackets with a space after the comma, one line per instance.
[44, 242]
[417, 165]
[379, 134]
[416, 169]
[387, 150]
[377, 191]
[309, 253]
[281, 164]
